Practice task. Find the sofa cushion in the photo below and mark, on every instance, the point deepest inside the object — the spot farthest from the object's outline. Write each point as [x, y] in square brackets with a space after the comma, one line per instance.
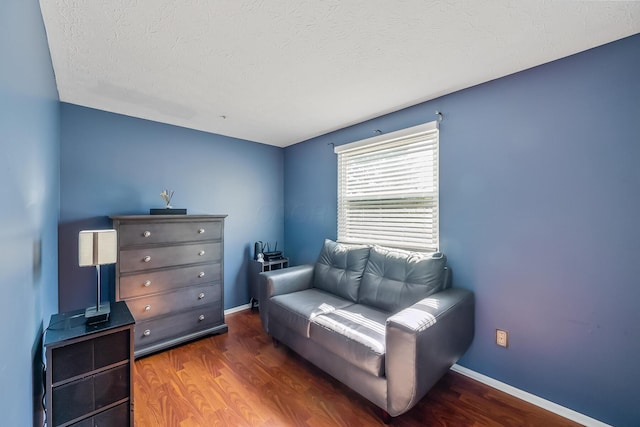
[339, 269]
[395, 279]
[355, 333]
[296, 309]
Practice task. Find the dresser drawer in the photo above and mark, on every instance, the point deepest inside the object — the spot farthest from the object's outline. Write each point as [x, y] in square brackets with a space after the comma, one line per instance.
[146, 307]
[80, 397]
[132, 234]
[77, 359]
[117, 416]
[151, 282]
[166, 328]
[157, 257]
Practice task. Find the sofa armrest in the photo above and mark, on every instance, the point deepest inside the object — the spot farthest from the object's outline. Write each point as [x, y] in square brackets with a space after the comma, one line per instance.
[423, 341]
[283, 281]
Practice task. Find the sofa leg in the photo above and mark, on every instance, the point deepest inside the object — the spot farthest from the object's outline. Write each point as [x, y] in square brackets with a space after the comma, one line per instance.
[386, 418]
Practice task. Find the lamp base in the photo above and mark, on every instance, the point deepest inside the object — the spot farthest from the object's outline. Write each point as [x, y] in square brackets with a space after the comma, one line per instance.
[100, 315]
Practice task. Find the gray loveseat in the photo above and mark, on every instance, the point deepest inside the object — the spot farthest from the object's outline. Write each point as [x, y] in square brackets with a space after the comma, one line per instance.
[384, 322]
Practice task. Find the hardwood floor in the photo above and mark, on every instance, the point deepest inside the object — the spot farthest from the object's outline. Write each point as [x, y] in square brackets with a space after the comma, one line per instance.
[241, 379]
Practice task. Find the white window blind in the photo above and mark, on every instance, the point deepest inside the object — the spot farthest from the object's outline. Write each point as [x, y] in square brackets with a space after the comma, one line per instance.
[388, 190]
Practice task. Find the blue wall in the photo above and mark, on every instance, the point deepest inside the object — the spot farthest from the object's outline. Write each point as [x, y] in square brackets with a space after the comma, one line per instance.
[540, 184]
[113, 164]
[29, 143]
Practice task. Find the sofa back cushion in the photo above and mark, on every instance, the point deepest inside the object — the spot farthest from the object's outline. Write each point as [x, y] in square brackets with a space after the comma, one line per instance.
[395, 279]
[339, 269]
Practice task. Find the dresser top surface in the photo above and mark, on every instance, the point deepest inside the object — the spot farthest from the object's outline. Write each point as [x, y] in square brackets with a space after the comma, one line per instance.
[72, 324]
[165, 217]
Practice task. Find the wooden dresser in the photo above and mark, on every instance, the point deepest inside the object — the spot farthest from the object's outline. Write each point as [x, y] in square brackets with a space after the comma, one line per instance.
[170, 272]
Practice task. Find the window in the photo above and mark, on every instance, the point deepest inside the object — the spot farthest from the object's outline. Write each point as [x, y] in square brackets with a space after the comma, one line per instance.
[388, 190]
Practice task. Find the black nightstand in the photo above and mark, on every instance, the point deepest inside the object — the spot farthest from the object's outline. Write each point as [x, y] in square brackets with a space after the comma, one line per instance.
[89, 369]
[257, 267]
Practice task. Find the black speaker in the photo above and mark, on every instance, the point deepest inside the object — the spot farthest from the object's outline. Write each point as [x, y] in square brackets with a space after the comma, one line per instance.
[257, 249]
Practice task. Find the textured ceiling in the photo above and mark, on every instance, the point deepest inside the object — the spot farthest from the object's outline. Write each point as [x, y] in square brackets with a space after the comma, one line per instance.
[283, 71]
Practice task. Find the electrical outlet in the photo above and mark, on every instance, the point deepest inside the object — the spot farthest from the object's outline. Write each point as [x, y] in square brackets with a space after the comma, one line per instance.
[502, 338]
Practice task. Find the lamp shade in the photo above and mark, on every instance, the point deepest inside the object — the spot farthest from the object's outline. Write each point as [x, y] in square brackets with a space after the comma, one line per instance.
[97, 247]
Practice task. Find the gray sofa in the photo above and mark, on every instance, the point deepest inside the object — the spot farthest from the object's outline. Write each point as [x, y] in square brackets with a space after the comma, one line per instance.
[384, 322]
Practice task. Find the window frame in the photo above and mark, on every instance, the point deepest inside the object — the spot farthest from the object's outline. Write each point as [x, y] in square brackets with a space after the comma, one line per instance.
[417, 209]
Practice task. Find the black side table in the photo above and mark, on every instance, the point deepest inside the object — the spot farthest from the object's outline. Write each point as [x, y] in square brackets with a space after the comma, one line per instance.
[257, 267]
[90, 369]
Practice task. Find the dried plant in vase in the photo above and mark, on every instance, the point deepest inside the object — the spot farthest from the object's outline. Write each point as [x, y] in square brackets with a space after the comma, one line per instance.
[166, 196]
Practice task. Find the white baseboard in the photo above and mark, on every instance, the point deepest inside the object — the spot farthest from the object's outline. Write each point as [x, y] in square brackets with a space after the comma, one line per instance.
[531, 398]
[237, 309]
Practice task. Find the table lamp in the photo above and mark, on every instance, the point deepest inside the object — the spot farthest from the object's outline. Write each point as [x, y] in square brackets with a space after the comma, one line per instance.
[97, 247]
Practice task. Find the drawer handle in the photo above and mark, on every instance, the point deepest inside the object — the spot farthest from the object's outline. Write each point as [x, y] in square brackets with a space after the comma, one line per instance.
[146, 259]
[147, 283]
[201, 317]
[201, 231]
[147, 332]
[201, 253]
[201, 274]
[201, 296]
[147, 307]
[146, 234]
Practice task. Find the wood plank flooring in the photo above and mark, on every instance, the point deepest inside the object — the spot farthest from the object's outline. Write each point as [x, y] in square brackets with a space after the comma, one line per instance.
[241, 379]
